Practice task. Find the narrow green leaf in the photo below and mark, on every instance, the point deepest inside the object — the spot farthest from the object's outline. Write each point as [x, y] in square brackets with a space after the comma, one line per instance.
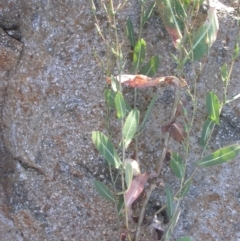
[203, 39]
[148, 112]
[151, 67]
[169, 201]
[213, 107]
[130, 126]
[139, 55]
[186, 238]
[206, 131]
[110, 97]
[120, 105]
[236, 51]
[106, 148]
[128, 107]
[172, 224]
[224, 74]
[176, 165]
[148, 13]
[120, 204]
[114, 83]
[173, 13]
[103, 190]
[128, 174]
[220, 156]
[185, 189]
[130, 32]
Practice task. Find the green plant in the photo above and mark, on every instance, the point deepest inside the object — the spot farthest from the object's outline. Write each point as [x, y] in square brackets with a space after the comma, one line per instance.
[192, 43]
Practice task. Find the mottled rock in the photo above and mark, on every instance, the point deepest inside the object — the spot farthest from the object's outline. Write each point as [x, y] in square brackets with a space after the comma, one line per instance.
[10, 12]
[10, 50]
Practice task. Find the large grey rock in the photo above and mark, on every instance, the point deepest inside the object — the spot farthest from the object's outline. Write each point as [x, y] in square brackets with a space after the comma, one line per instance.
[51, 105]
[52, 101]
[10, 50]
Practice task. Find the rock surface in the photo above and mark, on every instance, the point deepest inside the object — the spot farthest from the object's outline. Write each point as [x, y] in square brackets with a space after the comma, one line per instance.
[10, 50]
[51, 102]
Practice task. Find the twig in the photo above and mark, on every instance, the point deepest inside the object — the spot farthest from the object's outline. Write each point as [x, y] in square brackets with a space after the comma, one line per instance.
[140, 220]
[159, 167]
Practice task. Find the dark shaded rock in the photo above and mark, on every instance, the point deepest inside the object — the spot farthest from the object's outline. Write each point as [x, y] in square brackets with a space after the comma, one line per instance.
[10, 12]
[10, 50]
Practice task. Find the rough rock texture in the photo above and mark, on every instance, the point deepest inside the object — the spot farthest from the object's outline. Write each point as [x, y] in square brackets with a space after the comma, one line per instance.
[52, 101]
[10, 50]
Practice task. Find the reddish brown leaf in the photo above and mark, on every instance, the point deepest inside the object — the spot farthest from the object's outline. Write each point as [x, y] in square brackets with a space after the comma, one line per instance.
[136, 188]
[172, 80]
[177, 132]
[175, 35]
[143, 81]
[180, 109]
[166, 127]
[123, 236]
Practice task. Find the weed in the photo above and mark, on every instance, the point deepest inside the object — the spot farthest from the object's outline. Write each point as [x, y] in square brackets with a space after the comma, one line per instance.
[192, 41]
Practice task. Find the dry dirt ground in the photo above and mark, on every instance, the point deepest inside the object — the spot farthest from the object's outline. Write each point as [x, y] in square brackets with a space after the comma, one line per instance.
[51, 99]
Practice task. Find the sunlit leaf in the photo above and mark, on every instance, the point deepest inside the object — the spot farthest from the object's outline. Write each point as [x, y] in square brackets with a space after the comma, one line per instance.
[176, 165]
[206, 131]
[114, 84]
[130, 126]
[120, 105]
[106, 148]
[135, 188]
[173, 14]
[148, 112]
[224, 74]
[103, 191]
[130, 32]
[236, 51]
[213, 107]
[135, 166]
[128, 174]
[169, 201]
[220, 156]
[139, 55]
[203, 39]
[151, 67]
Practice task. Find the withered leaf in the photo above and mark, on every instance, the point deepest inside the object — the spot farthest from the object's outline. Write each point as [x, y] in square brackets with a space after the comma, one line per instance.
[176, 130]
[136, 188]
[143, 81]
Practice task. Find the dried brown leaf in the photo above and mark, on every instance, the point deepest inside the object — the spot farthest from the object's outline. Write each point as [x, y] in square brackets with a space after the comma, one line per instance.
[136, 188]
[177, 132]
[143, 81]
